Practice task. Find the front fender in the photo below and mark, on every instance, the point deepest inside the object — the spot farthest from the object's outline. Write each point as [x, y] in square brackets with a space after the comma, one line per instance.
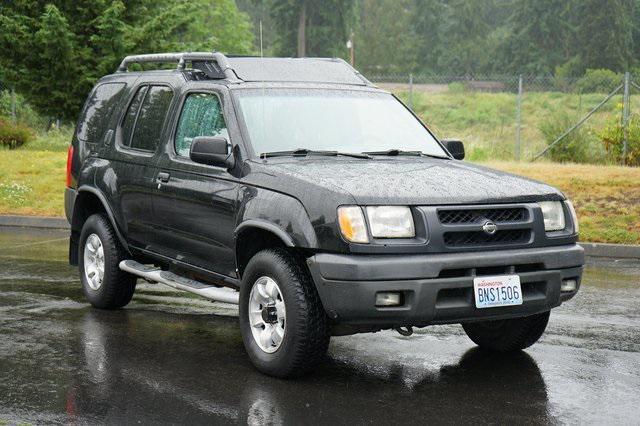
[280, 214]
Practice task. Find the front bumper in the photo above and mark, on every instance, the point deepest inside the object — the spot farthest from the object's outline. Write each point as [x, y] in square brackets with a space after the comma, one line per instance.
[438, 288]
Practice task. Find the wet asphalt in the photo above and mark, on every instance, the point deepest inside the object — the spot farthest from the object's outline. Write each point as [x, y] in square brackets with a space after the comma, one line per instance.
[172, 358]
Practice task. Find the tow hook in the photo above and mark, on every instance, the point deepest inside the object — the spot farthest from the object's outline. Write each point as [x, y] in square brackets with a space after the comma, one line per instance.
[405, 331]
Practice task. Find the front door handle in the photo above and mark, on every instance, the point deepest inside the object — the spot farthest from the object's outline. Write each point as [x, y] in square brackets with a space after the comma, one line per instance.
[163, 177]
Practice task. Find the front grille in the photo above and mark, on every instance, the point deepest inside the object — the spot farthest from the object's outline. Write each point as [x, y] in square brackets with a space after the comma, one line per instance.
[481, 238]
[496, 215]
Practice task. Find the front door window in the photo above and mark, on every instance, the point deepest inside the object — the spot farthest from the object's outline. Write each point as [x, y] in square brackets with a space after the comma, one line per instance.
[201, 116]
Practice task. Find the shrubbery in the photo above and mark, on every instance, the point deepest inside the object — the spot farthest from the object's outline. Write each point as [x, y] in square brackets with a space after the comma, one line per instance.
[612, 137]
[579, 146]
[599, 81]
[24, 111]
[14, 135]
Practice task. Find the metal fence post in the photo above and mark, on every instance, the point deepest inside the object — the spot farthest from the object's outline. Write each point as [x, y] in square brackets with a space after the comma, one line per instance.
[411, 92]
[13, 106]
[518, 118]
[625, 118]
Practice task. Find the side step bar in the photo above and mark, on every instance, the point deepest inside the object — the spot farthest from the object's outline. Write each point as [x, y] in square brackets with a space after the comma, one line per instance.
[218, 294]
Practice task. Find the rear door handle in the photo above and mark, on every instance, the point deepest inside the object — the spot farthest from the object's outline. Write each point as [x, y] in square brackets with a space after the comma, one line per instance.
[163, 177]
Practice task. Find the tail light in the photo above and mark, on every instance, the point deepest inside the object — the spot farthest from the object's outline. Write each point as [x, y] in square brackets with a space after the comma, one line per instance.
[69, 164]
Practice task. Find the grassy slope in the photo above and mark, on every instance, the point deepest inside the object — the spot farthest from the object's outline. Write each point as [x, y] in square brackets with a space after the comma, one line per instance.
[486, 122]
[607, 198]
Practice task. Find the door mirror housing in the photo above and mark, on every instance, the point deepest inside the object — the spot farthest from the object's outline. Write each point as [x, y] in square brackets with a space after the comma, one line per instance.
[211, 150]
[455, 148]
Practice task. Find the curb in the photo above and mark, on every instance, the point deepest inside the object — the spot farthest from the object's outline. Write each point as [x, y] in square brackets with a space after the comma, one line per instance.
[34, 222]
[620, 251]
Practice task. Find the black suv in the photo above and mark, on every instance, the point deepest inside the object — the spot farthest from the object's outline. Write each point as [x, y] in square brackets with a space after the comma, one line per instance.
[315, 200]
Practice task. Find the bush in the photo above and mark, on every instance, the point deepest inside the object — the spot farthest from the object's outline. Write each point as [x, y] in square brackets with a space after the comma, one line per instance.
[579, 146]
[599, 81]
[53, 140]
[612, 137]
[24, 112]
[14, 135]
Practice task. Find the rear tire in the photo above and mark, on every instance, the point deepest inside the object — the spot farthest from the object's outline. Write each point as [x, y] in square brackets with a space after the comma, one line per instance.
[279, 299]
[507, 335]
[99, 255]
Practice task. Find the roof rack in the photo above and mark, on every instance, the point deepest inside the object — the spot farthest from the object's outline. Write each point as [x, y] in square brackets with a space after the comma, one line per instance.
[213, 64]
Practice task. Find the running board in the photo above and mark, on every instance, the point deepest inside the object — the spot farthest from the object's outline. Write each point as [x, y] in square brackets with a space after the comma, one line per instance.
[151, 273]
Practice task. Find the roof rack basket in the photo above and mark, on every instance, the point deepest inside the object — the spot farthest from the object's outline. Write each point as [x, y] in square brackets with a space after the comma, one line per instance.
[213, 64]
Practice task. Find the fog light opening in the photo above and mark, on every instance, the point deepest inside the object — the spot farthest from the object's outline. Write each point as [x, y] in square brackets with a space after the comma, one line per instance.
[569, 285]
[389, 299]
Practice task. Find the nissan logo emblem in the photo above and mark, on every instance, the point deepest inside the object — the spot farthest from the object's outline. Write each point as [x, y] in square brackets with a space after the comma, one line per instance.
[489, 227]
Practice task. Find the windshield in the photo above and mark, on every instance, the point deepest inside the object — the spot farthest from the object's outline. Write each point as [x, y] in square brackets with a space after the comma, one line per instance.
[336, 120]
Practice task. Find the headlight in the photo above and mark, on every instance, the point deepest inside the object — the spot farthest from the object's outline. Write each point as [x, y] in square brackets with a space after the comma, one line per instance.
[553, 215]
[391, 222]
[574, 216]
[352, 224]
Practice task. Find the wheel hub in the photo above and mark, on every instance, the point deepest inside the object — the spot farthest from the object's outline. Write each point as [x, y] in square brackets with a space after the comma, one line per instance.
[267, 314]
[94, 261]
[270, 314]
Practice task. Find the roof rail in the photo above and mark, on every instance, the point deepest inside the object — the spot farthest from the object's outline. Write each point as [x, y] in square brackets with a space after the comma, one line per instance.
[182, 58]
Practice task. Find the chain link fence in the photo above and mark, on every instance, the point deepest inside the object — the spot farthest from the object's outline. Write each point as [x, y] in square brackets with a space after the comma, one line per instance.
[506, 117]
[8, 101]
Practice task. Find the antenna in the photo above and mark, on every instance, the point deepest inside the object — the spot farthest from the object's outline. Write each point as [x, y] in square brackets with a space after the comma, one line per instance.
[262, 83]
[261, 52]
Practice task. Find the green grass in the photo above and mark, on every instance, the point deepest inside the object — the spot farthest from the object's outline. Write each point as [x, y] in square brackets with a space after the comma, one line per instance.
[486, 122]
[32, 182]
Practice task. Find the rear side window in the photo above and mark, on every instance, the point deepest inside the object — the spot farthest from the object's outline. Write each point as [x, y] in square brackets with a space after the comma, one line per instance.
[151, 117]
[132, 113]
[145, 117]
[98, 111]
[201, 116]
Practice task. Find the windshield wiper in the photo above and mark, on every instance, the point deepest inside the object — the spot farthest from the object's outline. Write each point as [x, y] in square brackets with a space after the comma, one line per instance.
[303, 152]
[397, 152]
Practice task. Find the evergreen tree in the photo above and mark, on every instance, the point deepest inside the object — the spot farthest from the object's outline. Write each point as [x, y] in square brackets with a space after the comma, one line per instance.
[536, 27]
[385, 41]
[55, 50]
[604, 34]
[312, 27]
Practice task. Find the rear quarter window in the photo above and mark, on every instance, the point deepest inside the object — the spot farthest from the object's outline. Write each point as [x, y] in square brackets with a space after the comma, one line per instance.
[99, 108]
[144, 120]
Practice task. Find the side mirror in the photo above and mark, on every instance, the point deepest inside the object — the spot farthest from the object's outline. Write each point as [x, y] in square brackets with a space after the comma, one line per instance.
[211, 150]
[456, 148]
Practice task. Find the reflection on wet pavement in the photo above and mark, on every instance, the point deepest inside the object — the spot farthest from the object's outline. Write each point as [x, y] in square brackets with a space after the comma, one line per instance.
[169, 357]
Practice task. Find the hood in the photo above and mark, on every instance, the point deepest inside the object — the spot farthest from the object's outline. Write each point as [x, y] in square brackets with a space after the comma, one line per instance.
[407, 180]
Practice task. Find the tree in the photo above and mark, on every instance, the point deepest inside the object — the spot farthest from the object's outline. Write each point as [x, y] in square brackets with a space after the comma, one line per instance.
[535, 27]
[465, 31]
[56, 50]
[312, 27]
[426, 26]
[604, 34]
[384, 37]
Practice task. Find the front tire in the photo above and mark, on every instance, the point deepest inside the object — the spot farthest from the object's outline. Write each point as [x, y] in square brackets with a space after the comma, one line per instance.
[100, 253]
[507, 335]
[283, 323]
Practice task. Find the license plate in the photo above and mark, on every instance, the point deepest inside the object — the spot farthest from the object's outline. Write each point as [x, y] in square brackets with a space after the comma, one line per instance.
[502, 290]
